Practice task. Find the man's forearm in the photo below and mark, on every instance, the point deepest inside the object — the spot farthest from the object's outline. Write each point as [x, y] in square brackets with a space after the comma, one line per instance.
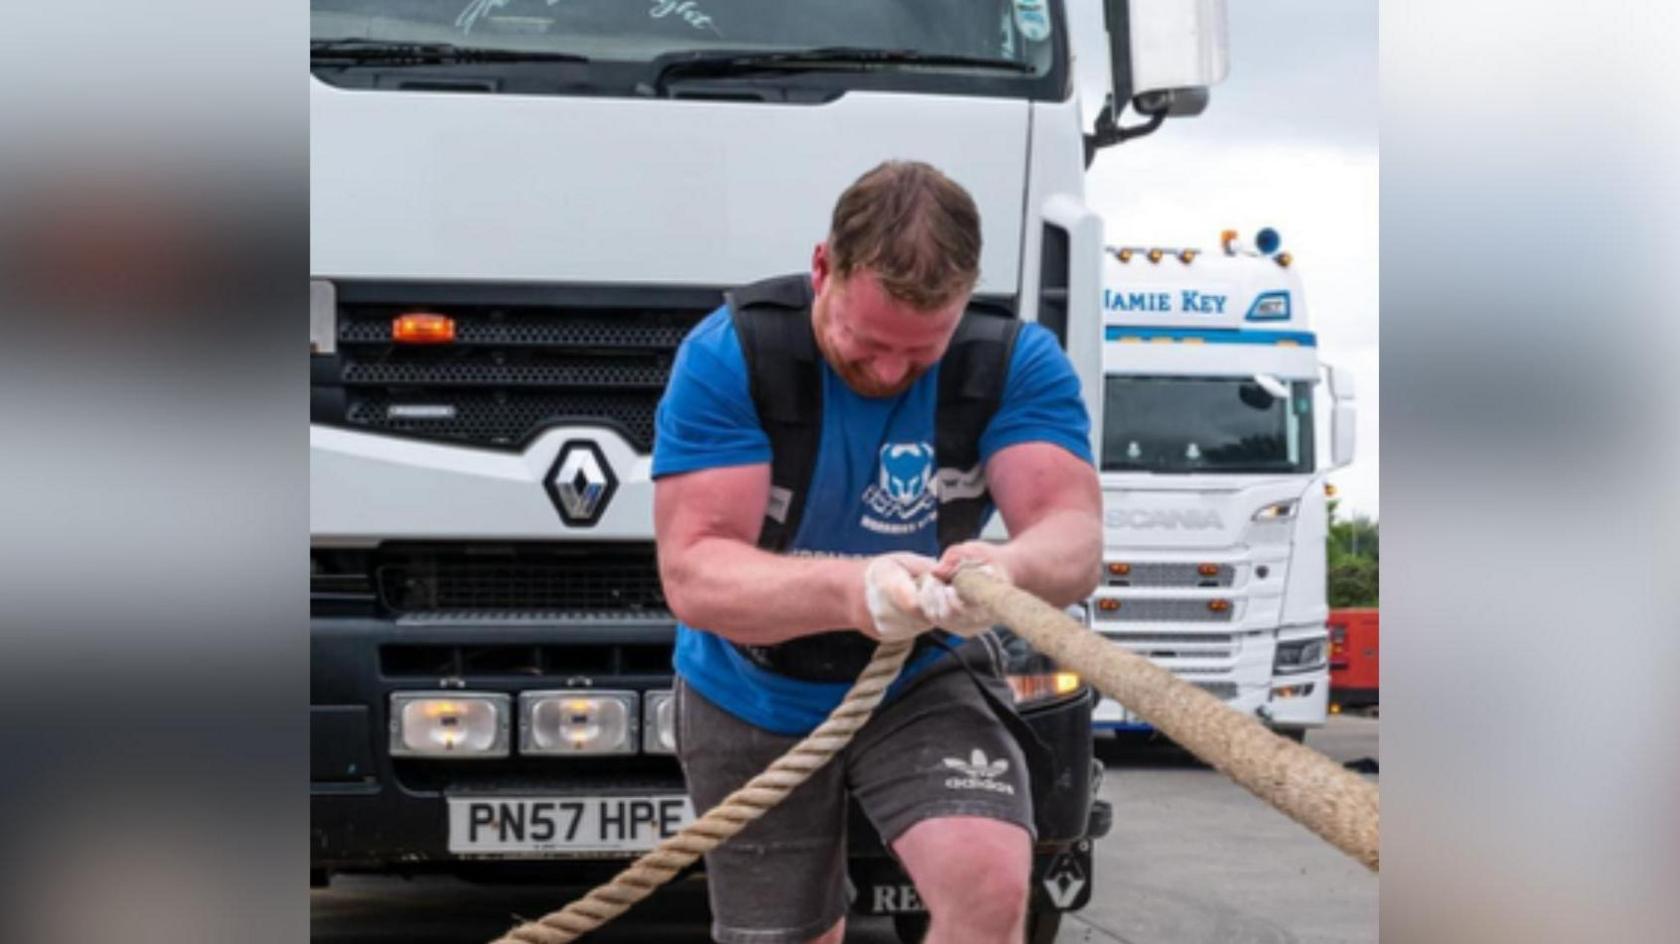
[1058, 559]
[754, 597]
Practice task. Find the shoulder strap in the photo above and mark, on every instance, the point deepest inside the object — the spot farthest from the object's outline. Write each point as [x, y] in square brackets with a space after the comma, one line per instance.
[772, 320]
[971, 381]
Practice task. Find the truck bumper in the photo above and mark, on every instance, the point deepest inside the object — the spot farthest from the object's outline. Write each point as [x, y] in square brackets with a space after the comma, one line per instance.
[1299, 701]
[371, 812]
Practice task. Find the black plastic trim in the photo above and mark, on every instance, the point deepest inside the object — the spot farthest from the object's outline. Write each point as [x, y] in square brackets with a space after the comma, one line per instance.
[1053, 280]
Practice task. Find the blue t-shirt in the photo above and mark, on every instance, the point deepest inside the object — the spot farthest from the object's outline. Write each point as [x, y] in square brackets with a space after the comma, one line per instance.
[871, 489]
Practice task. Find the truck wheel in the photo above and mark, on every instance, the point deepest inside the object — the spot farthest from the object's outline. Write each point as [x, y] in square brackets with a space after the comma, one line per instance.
[911, 928]
[1042, 926]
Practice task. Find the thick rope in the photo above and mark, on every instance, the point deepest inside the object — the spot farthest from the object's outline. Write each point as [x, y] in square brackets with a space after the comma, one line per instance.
[1304, 785]
[1301, 783]
[729, 817]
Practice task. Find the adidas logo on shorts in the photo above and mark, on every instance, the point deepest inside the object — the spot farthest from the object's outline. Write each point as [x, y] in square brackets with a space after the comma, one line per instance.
[979, 774]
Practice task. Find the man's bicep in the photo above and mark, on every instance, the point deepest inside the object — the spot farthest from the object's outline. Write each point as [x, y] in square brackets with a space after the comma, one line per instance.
[725, 502]
[1031, 480]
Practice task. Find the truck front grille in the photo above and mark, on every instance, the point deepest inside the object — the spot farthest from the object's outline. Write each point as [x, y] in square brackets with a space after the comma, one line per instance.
[1133, 610]
[1163, 574]
[501, 418]
[1168, 646]
[483, 662]
[561, 579]
[524, 358]
[511, 582]
[1224, 691]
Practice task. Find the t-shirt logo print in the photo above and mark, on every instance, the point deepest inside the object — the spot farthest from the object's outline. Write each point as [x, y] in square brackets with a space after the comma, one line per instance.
[902, 499]
[978, 773]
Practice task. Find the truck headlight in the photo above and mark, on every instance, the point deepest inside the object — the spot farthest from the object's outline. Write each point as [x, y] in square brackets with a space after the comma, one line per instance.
[425, 724]
[659, 723]
[578, 722]
[1033, 677]
[1278, 511]
[1300, 655]
[1042, 686]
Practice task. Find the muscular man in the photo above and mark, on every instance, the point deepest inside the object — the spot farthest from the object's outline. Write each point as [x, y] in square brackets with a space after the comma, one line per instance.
[805, 511]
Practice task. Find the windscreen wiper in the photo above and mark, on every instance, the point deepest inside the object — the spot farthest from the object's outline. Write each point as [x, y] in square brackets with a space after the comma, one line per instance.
[361, 51]
[709, 63]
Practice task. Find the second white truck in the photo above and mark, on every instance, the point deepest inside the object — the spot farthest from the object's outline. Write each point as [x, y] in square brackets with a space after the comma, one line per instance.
[1214, 505]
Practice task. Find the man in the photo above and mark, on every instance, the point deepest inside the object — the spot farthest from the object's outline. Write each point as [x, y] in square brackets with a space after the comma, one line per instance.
[859, 513]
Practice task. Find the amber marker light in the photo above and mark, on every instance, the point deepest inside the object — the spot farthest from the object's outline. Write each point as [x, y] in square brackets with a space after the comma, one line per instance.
[1219, 606]
[1156, 255]
[1108, 604]
[1125, 255]
[1187, 256]
[418, 327]
[1208, 570]
[1119, 570]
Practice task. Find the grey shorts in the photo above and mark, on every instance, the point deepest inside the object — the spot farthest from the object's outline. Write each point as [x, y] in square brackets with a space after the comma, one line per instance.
[937, 750]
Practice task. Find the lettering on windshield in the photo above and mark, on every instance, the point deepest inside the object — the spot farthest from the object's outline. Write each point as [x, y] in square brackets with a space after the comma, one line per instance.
[476, 10]
[686, 9]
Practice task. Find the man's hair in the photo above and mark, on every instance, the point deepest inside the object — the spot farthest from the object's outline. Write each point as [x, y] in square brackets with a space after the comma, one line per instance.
[916, 229]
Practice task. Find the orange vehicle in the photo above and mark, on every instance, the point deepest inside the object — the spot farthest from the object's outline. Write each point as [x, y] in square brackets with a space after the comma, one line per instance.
[1353, 658]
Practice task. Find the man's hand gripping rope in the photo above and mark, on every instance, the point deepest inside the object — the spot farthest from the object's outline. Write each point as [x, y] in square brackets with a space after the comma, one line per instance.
[907, 596]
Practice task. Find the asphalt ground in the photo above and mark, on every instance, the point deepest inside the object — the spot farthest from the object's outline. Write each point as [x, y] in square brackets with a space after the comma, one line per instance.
[1192, 857]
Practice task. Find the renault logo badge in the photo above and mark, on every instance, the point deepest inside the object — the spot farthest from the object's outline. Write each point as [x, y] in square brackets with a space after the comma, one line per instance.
[581, 483]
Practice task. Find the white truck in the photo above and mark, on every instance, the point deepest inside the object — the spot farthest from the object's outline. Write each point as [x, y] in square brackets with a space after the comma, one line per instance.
[518, 209]
[1213, 499]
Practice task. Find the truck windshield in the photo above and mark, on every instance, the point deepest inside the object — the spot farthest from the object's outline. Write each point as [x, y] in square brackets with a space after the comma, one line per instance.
[941, 32]
[1205, 424]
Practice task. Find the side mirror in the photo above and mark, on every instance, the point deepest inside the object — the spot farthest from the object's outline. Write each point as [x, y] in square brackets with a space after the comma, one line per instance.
[1182, 44]
[1342, 415]
[1164, 55]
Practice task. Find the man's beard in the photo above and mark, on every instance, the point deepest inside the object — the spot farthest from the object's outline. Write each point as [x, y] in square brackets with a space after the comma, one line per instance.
[855, 375]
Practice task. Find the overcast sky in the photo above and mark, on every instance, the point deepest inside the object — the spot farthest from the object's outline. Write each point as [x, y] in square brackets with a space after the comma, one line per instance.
[1289, 140]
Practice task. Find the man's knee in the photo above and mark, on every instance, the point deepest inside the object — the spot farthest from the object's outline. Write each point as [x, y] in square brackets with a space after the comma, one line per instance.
[986, 893]
[972, 868]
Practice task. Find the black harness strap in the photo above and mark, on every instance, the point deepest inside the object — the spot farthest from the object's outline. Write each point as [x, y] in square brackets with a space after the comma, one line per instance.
[971, 380]
[773, 321]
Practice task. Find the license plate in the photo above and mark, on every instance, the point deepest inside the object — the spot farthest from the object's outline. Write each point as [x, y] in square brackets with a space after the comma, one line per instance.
[537, 825]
